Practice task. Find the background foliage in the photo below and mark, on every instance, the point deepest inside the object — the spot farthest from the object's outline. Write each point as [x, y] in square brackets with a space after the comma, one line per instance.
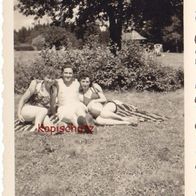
[131, 69]
[160, 21]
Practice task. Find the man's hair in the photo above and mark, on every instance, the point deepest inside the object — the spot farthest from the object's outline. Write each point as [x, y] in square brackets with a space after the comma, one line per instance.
[67, 65]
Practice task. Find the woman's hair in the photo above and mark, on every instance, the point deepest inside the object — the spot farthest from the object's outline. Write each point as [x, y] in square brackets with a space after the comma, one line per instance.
[48, 72]
[83, 75]
[51, 74]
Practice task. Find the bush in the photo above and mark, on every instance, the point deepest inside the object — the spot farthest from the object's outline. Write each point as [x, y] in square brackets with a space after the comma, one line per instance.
[39, 42]
[130, 69]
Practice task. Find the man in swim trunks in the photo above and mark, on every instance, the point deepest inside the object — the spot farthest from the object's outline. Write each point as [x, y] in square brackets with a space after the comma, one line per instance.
[70, 109]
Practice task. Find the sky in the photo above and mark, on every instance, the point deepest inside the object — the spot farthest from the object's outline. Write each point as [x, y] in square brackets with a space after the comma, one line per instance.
[21, 20]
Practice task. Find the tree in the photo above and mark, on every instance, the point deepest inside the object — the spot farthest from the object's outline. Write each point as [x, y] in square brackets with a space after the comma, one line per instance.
[151, 18]
[88, 11]
[22, 35]
[173, 35]
[119, 13]
[45, 35]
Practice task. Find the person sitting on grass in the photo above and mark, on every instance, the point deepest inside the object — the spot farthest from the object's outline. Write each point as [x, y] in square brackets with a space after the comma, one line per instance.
[35, 104]
[70, 109]
[104, 111]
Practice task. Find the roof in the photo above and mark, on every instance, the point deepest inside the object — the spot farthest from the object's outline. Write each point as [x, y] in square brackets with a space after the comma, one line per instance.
[133, 35]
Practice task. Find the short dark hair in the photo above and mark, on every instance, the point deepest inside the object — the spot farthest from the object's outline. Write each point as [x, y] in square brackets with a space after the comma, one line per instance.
[67, 65]
[84, 75]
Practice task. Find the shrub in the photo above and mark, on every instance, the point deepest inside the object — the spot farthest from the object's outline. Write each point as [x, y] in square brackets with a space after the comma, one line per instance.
[39, 42]
[130, 69]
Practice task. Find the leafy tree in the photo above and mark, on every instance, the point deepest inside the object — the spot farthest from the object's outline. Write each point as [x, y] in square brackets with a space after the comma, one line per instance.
[173, 35]
[151, 18]
[22, 35]
[119, 13]
[88, 11]
[46, 35]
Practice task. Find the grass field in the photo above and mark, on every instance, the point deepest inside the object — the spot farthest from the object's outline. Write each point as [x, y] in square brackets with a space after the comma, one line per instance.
[174, 60]
[147, 160]
[25, 57]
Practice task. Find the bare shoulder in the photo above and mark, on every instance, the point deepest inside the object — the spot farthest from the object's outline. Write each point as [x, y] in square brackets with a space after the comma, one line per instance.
[97, 87]
[33, 84]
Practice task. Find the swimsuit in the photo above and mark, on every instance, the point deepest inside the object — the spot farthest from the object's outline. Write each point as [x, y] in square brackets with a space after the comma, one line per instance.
[95, 95]
[68, 95]
[41, 97]
[68, 100]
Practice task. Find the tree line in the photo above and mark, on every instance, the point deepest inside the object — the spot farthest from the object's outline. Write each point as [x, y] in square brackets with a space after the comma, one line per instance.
[160, 21]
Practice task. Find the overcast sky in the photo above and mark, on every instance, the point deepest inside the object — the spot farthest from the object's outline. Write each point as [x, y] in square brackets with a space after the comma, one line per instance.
[21, 20]
[24, 21]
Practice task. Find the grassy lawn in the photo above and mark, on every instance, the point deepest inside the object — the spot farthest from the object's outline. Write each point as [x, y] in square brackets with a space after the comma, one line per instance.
[25, 57]
[118, 160]
[174, 60]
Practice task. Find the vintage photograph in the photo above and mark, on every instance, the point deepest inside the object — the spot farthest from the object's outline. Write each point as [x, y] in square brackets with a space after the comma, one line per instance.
[99, 97]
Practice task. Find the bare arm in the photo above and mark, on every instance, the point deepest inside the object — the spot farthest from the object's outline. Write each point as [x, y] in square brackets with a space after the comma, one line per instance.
[99, 90]
[25, 97]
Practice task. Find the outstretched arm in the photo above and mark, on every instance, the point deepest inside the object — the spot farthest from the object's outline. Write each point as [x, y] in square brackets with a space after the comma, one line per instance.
[25, 97]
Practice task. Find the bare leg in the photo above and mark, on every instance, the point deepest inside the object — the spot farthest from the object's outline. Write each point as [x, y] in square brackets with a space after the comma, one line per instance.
[67, 114]
[108, 111]
[41, 114]
[109, 117]
[112, 115]
[108, 121]
[84, 119]
[34, 114]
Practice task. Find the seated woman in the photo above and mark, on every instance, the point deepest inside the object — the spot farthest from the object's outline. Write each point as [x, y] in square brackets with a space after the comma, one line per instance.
[91, 94]
[34, 104]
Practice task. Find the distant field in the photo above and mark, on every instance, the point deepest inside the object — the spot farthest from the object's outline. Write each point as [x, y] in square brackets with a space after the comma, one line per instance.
[171, 59]
[167, 59]
[25, 57]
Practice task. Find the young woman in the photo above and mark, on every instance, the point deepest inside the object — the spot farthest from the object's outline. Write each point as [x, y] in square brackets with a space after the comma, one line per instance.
[35, 103]
[104, 111]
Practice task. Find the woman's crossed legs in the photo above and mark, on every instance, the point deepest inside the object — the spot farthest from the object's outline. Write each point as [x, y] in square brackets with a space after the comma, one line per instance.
[37, 115]
[108, 116]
